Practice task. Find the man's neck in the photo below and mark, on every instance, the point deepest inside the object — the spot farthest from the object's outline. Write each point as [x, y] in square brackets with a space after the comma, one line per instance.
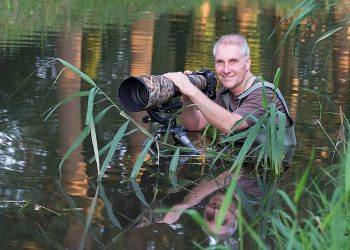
[246, 84]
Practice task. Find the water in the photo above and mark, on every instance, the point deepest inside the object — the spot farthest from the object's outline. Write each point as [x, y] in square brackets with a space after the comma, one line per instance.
[40, 210]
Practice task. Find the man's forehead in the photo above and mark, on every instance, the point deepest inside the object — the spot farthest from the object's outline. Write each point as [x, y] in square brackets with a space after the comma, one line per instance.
[231, 51]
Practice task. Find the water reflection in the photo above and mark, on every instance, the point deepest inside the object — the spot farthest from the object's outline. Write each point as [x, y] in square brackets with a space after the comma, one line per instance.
[206, 196]
[141, 63]
[73, 171]
[69, 116]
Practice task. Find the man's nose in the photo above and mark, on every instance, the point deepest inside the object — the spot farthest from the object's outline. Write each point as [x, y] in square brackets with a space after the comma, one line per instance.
[226, 68]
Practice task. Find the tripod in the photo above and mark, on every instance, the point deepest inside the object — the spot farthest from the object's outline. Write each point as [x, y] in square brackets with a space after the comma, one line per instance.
[169, 126]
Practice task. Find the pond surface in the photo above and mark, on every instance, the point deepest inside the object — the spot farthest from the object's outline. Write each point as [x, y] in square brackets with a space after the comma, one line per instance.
[43, 209]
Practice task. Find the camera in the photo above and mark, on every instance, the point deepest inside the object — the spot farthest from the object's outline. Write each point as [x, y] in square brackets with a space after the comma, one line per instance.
[150, 91]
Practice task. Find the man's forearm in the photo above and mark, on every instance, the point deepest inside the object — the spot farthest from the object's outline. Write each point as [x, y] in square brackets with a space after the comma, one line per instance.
[191, 117]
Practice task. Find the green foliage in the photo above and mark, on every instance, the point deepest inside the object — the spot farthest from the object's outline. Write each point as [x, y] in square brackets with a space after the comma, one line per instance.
[307, 13]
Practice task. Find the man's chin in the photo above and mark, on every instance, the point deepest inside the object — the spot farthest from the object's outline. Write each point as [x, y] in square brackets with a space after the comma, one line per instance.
[228, 85]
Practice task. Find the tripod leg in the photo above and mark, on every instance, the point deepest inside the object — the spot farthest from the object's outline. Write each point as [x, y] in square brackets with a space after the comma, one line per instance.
[184, 140]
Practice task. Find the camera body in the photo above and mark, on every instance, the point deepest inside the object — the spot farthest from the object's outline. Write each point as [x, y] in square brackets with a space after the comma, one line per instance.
[150, 91]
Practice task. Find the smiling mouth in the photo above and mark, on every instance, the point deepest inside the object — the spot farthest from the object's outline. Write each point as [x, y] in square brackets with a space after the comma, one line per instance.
[227, 76]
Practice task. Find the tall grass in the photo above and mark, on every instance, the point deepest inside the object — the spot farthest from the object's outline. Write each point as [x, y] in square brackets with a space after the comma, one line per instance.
[325, 222]
[326, 225]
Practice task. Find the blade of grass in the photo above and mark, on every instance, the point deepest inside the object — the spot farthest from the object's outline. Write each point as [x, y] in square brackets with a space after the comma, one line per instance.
[65, 100]
[251, 231]
[288, 201]
[172, 168]
[174, 161]
[91, 98]
[347, 168]
[119, 135]
[248, 142]
[140, 159]
[109, 207]
[81, 137]
[197, 218]
[173, 180]
[227, 198]
[89, 219]
[94, 144]
[77, 71]
[138, 191]
[301, 184]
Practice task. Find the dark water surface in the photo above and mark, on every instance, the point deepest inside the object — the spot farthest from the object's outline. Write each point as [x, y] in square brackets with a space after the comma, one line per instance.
[108, 42]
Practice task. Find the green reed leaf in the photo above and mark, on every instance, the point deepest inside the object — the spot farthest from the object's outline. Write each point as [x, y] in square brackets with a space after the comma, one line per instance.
[245, 203]
[173, 180]
[249, 142]
[277, 77]
[252, 232]
[276, 81]
[347, 168]
[101, 151]
[78, 72]
[172, 168]
[82, 136]
[306, 8]
[197, 218]
[325, 36]
[264, 100]
[109, 207]
[113, 146]
[138, 191]
[227, 198]
[92, 94]
[65, 100]
[174, 160]
[301, 184]
[94, 143]
[281, 131]
[89, 219]
[140, 159]
[288, 201]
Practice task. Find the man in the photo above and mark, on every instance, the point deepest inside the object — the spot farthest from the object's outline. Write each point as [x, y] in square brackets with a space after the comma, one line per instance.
[239, 97]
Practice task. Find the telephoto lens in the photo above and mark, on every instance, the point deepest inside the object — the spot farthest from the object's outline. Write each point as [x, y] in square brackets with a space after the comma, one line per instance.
[149, 91]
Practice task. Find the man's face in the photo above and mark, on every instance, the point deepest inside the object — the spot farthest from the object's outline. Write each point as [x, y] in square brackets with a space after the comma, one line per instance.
[231, 67]
[211, 212]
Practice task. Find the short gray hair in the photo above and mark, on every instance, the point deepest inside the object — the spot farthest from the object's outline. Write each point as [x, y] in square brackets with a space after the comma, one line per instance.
[233, 39]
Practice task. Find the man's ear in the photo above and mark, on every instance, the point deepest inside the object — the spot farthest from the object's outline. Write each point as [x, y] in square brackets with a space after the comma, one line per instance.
[247, 64]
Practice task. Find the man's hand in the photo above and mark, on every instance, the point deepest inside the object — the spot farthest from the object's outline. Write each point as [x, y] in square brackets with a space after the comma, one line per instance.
[182, 82]
[174, 214]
